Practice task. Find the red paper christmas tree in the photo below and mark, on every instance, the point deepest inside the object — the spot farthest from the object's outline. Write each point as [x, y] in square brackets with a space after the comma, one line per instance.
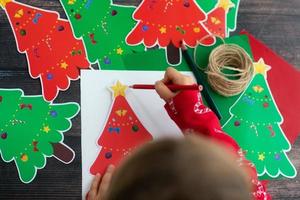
[169, 24]
[53, 54]
[122, 133]
[217, 18]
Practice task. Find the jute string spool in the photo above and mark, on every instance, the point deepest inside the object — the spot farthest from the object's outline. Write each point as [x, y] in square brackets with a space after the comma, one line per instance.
[233, 58]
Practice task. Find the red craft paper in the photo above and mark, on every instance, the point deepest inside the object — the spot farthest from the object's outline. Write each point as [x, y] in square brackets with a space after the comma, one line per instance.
[284, 81]
[53, 54]
[162, 22]
[122, 133]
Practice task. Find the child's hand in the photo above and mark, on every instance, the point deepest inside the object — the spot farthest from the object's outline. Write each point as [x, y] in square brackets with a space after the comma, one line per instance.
[99, 186]
[172, 76]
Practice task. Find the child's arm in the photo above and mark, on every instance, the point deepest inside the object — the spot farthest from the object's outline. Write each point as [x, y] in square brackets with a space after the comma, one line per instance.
[188, 111]
[192, 116]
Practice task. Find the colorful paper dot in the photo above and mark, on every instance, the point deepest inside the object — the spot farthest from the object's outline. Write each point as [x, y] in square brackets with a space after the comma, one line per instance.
[53, 113]
[186, 4]
[135, 128]
[72, 10]
[145, 28]
[17, 23]
[237, 123]
[196, 30]
[266, 105]
[60, 28]
[49, 76]
[108, 155]
[77, 16]
[107, 61]
[277, 156]
[24, 157]
[4, 135]
[23, 32]
[114, 12]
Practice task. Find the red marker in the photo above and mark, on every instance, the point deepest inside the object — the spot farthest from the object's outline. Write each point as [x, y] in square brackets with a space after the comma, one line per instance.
[172, 87]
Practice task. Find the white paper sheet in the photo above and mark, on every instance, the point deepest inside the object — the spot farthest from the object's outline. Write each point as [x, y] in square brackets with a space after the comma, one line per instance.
[96, 100]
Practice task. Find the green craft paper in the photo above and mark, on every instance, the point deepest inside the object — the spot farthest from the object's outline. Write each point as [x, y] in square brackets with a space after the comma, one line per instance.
[28, 119]
[255, 125]
[103, 27]
[155, 60]
[207, 5]
[232, 16]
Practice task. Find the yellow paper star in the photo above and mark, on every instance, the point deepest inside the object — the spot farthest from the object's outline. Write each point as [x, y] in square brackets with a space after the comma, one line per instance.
[226, 4]
[46, 129]
[64, 65]
[261, 68]
[120, 51]
[119, 89]
[261, 157]
[163, 30]
[4, 2]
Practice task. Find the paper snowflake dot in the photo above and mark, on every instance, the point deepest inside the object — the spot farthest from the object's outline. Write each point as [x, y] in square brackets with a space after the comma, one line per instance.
[3, 136]
[114, 12]
[108, 155]
[23, 32]
[145, 28]
[53, 113]
[49, 76]
[237, 123]
[135, 128]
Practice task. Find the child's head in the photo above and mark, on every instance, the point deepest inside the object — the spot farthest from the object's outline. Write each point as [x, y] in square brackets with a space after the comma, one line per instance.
[193, 168]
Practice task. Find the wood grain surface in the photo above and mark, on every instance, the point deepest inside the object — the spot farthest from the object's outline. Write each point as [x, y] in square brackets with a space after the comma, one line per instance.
[276, 23]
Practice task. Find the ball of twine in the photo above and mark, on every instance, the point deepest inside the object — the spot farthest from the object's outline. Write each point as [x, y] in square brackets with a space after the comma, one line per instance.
[233, 58]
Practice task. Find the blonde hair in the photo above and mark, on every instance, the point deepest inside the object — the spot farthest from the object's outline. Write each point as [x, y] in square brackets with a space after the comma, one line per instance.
[192, 168]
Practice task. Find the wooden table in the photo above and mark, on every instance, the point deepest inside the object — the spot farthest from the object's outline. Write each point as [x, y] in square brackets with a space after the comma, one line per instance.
[277, 23]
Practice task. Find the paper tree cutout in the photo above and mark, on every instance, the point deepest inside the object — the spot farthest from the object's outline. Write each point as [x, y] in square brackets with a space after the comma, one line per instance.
[53, 54]
[103, 27]
[217, 18]
[255, 125]
[284, 80]
[169, 24]
[231, 15]
[122, 133]
[32, 130]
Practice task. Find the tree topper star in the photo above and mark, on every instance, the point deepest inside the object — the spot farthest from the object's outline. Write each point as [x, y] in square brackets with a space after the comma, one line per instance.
[119, 89]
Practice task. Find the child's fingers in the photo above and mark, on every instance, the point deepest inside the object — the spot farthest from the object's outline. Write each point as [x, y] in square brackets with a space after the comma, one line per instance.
[175, 77]
[94, 187]
[163, 91]
[172, 75]
[106, 180]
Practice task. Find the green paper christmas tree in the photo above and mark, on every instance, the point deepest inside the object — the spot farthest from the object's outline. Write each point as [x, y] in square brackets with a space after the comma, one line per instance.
[103, 27]
[31, 130]
[255, 125]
